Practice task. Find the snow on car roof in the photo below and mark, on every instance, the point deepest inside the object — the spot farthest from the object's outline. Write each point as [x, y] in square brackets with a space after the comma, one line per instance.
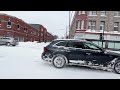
[71, 39]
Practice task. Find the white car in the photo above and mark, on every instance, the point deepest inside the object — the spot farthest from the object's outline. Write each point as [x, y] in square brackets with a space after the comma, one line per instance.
[8, 41]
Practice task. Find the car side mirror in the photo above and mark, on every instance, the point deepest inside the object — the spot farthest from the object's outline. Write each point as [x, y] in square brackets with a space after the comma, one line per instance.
[103, 51]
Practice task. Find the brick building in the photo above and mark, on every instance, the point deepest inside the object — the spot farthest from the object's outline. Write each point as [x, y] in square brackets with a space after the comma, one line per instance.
[97, 26]
[49, 37]
[43, 31]
[22, 31]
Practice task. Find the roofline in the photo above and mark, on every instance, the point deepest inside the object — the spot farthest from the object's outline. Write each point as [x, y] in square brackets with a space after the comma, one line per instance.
[19, 20]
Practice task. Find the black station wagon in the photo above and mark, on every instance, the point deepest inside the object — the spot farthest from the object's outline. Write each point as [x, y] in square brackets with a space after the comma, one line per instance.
[80, 52]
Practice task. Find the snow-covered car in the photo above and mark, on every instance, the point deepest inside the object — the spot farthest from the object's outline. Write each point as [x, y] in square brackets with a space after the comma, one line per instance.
[8, 41]
[82, 53]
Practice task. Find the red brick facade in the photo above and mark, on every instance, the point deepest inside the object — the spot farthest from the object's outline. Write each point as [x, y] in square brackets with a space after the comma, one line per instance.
[17, 28]
[81, 17]
[49, 37]
[79, 23]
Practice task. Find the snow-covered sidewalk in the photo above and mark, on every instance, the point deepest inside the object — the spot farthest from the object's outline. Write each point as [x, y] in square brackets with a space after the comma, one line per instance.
[24, 62]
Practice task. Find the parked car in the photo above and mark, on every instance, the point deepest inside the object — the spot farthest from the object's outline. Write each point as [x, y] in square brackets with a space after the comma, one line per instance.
[82, 53]
[8, 41]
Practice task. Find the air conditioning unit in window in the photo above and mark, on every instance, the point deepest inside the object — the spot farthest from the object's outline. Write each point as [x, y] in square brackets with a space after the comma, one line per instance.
[8, 26]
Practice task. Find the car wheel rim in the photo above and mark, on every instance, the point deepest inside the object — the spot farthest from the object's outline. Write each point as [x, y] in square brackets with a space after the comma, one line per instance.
[8, 44]
[117, 67]
[59, 61]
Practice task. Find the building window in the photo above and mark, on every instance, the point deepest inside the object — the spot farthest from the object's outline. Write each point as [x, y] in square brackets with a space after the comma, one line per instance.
[9, 24]
[82, 24]
[0, 23]
[102, 25]
[78, 24]
[92, 13]
[93, 25]
[79, 13]
[41, 34]
[116, 26]
[42, 29]
[83, 12]
[18, 27]
[27, 30]
[32, 32]
[103, 13]
[89, 24]
[24, 29]
[116, 13]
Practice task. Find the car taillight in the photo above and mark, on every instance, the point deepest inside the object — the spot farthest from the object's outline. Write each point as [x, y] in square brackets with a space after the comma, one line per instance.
[45, 49]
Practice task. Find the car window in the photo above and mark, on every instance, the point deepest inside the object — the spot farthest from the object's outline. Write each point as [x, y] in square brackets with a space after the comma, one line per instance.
[75, 45]
[53, 42]
[62, 43]
[6, 38]
[90, 46]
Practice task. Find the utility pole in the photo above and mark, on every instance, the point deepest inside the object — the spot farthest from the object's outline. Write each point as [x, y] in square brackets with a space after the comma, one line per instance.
[66, 33]
[103, 36]
[69, 24]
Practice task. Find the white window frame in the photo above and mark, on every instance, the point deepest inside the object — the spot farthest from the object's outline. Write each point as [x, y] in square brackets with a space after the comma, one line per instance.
[93, 25]
[17, 27]
[94, 12]
[117, 13]
[89, 24]
[103, 26]
[79, 12]
[78, 24]
[116, 26]
[91, 13]
[9, 26]
[82, 24]
[25, 29]
[42, 29]
[103, 13]
[0, 22]
[83, 12]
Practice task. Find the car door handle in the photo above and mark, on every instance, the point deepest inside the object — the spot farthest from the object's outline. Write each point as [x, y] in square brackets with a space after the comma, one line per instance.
[88, 53]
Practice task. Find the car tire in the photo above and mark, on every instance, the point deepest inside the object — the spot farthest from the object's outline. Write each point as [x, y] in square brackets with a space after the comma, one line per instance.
[59, 61]
[7, 44]
[117, 67]
[13, 45]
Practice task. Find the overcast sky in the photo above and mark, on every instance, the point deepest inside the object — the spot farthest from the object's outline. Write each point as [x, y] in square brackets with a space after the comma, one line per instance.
[55, 21]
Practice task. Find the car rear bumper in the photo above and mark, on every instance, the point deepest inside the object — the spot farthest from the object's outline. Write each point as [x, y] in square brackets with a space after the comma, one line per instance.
[46, 58]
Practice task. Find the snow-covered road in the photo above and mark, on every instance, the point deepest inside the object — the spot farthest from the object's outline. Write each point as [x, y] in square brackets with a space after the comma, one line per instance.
[24, 62]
